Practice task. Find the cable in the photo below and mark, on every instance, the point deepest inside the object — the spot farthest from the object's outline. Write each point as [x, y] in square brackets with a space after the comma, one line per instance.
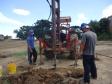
[48, 3]
[50, 14]
[50, 9]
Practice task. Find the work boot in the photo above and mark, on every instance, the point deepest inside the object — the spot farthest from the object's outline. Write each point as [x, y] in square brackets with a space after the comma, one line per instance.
[30, 63]
[34, 63]
[81, 81]
[94, 78]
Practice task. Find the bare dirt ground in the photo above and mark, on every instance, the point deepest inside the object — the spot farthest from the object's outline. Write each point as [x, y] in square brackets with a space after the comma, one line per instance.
[10, 48]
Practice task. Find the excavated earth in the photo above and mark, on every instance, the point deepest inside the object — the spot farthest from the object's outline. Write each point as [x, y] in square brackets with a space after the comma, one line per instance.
[44, 76]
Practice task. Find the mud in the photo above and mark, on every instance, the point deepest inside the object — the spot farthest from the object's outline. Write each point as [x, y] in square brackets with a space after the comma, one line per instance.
[45, 76]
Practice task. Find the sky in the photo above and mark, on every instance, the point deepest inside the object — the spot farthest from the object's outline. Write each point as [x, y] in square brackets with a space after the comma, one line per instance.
[16, 13]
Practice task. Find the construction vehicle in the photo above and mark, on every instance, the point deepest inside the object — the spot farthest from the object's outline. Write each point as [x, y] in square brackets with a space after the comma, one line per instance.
[60, 38]
[55, 47]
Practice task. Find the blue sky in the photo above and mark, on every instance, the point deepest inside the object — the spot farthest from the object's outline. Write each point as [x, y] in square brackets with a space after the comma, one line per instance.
[16, 13]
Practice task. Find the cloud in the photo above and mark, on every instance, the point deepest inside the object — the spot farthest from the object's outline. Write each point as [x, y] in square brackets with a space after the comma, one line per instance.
[81, 18]
[107, 11]
[6, 20]
[21, 12]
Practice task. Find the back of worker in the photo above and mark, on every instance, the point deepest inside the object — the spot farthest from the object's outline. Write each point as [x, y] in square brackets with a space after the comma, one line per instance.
[88, 43]
[89, 38]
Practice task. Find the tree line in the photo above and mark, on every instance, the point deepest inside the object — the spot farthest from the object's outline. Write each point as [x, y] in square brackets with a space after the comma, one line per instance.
[40, 27]
[102, 29]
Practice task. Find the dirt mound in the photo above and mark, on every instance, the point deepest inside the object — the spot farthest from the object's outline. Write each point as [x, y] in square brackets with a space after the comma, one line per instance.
[45, 76]
[5, 55]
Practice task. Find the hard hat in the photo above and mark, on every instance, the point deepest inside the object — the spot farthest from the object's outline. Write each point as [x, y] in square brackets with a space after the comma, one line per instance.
[84, 26]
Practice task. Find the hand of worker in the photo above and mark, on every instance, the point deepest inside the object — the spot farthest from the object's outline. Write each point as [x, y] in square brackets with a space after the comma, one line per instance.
[80, 54]
[31, 50]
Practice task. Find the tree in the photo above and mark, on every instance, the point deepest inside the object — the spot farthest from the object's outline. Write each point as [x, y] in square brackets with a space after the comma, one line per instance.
[104, 25]
[40, 27]
[95, 26]
[7, 37]
[75, 27]
[101, 28]
[16, 31]
[22, 32]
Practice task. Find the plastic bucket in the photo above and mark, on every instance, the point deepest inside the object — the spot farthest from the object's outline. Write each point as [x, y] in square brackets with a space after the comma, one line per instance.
[1, 71]
[11, 68]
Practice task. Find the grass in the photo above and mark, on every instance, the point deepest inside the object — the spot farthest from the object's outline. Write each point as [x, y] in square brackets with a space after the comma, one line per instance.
[24, 53]
[20, 54]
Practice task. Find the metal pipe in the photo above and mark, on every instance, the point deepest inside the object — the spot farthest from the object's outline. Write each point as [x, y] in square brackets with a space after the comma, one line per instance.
[54, 30]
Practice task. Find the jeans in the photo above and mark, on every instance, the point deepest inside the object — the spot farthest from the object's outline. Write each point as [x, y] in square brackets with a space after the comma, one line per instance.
[89, 67]
[32, 56]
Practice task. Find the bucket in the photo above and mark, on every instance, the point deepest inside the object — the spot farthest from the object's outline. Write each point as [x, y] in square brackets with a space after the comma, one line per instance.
[1, 71]
[11, 68]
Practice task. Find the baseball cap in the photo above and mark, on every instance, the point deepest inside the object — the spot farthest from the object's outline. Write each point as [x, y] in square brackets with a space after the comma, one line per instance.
[84, 25]
[31, 31]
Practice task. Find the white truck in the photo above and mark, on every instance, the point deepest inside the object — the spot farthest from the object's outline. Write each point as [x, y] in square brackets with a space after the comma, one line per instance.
[1, 37]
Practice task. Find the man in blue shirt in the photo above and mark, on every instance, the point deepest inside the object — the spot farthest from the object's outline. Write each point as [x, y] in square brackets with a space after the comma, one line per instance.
[32, 53]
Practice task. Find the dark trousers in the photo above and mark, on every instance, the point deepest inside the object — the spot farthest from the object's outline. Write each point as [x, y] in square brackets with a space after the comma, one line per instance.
[89, 67]
[32, 56]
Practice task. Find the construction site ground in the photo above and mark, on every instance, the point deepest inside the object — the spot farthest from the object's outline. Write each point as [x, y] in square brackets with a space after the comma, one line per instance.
[16, 51]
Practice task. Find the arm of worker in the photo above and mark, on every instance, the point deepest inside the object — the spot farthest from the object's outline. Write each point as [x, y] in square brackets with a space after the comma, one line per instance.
[82, 47]
[29, 47]
[82, 44]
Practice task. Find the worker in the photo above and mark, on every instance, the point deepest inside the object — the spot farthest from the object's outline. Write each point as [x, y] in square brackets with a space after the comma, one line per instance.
[32, 53]
[74, 45]
[87, 50]
[73, 38]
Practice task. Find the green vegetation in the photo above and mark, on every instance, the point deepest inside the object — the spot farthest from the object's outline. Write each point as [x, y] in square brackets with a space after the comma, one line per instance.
[23, 53]
[41, 27]
[20, 54]
[102, 29]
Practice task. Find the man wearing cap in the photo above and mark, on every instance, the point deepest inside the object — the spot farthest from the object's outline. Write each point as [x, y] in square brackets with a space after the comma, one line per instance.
[32, 54]
[87, 49]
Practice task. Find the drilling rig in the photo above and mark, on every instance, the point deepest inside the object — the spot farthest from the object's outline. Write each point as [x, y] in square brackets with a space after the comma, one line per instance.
[57, 23]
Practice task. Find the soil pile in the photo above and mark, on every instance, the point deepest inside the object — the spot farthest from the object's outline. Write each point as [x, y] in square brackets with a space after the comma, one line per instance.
[45, 76]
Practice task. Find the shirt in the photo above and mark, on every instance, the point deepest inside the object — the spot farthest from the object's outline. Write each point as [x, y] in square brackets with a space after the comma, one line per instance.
[89, 39]
[30, 41]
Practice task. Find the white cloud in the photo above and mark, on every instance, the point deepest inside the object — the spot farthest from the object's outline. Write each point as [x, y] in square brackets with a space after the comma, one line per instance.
[21, 12]
[107, 11]
[81, 19]
[6, 20]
